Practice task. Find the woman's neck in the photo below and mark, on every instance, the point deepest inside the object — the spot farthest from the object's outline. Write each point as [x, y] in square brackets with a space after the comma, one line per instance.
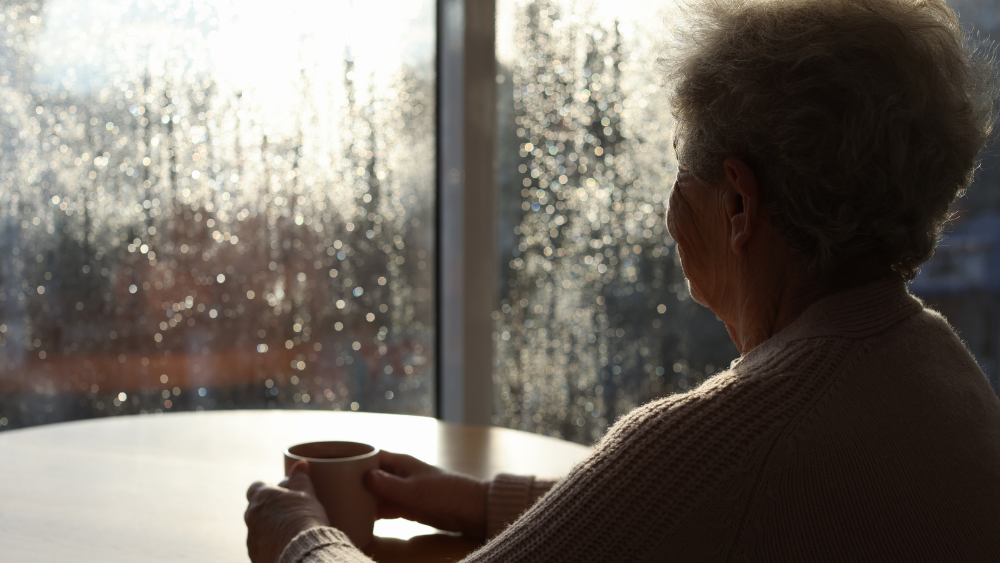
[770, 299]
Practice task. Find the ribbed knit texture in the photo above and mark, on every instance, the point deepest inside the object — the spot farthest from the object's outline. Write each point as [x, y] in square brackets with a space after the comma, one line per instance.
[508, 497]
[321, 544]
[864, 431]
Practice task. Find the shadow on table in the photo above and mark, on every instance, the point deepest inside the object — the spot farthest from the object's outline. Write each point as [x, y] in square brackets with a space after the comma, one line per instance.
[431, 548]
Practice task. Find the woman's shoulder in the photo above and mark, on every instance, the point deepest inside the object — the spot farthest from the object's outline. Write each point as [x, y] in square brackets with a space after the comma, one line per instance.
[728, 414]
[674, 453]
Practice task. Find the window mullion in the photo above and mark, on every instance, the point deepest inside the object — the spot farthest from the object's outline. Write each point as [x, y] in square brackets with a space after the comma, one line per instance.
[466, 209]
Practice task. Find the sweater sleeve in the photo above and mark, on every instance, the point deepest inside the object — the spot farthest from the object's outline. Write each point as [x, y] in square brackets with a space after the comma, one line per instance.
[653, 467]
[625, 500]
[322, 544]
[600, 512]
[508, 497]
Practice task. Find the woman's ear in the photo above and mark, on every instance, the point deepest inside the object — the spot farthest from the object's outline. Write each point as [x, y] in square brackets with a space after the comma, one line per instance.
[743, 202]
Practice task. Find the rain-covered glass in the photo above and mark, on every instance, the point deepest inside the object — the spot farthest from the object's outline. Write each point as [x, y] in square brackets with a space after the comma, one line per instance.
[962, 279]
[214, 204]
[594, 317]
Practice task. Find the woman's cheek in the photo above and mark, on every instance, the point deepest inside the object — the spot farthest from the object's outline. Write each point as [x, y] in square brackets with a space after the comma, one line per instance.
[679, 220]
[673, 203]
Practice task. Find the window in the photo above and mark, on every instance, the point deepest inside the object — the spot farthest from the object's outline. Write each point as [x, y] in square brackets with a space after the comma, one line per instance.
[594, 317]
[215, 205]
[962, 279]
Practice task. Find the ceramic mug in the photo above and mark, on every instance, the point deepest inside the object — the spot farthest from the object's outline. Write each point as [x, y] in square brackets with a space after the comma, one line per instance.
[337, 471]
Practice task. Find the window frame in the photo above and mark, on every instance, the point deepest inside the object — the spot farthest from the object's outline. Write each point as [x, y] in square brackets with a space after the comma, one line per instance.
[465, 225]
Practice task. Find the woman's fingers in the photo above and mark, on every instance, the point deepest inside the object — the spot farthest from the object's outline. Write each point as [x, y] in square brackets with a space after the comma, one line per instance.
[431, 496]
[388, 510]
[276, 514]
[255, 488]
[398, 464]
[392, 488]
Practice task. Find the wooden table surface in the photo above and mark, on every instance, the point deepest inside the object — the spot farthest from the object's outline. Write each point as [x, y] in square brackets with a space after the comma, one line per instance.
[172, 487]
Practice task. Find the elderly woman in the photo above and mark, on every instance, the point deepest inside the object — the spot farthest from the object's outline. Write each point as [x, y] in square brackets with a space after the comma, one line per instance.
[821, 144]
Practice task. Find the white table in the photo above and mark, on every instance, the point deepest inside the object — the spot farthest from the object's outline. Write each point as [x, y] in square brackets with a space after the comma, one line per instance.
[172, 487]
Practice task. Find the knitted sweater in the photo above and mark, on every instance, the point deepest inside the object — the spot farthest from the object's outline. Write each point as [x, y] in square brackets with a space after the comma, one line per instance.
[864, 431]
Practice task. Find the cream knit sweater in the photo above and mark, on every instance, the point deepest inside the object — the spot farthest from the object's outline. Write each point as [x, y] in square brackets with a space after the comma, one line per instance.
[863, 432]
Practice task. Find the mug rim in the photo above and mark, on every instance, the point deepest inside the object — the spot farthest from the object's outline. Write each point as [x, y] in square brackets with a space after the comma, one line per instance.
[288, 452]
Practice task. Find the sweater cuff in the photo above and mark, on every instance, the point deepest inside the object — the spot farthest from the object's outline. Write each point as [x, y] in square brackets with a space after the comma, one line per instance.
[508, 497]
[311, 540]
[538, 489]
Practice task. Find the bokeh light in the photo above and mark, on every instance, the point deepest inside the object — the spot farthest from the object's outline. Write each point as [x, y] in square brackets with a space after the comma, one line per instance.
[179, 235]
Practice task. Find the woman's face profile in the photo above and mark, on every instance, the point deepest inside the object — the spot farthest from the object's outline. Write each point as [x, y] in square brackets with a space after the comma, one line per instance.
[696, 222]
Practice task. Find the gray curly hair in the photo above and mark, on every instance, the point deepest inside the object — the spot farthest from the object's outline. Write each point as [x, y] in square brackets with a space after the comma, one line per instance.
[862, 119]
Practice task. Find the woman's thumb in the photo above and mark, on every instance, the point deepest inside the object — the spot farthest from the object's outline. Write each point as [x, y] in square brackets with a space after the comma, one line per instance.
[298, 477]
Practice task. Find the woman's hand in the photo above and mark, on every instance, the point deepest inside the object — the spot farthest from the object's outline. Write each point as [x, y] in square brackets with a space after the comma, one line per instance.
[277, 514]
[409, 488]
